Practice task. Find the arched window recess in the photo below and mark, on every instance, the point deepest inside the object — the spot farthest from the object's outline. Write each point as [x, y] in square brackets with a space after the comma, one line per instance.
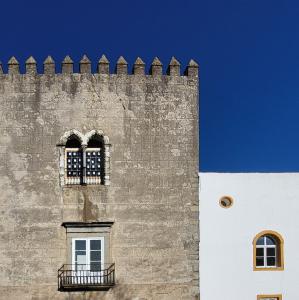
[73, 161]
[84, 159]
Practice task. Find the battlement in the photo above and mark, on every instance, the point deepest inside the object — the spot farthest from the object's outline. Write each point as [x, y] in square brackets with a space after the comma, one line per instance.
[103, 67]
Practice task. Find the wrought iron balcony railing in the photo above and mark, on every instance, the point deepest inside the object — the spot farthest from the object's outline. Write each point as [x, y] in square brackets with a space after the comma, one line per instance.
[86, 277]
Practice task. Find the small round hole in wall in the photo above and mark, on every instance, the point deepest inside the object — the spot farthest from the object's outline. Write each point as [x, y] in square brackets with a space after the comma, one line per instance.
[226, 202]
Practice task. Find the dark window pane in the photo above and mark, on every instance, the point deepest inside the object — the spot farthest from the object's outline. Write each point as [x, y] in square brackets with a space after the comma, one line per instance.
[95, 255]
[260, 241]
[95, 142]
[260, 261]
[95, 267]
[270, 251]
[95, 245]
[74, 164]
[92, 163]
[80, 245]
[270, 261]
[73, 142]
[259, 251]
[270, 241]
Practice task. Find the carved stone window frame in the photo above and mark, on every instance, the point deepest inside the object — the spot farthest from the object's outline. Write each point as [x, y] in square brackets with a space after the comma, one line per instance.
[84, 139]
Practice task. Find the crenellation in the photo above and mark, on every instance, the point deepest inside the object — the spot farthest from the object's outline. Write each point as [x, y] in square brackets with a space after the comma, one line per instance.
[174, 67]
[156, 67]
[121, 66]
[30, 65]
[85, 65]
[13, 66]
[67, 66]
[139, 67]
[192, 69]
[49, 66]
[103, 67]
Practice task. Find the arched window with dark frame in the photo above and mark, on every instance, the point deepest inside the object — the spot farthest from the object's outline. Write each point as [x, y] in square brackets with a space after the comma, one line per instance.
[94, 158]
[73, 160]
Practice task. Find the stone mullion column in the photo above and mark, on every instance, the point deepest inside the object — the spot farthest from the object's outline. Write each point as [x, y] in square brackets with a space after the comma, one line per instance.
[62, 165]
[84, 178]
[107, 164]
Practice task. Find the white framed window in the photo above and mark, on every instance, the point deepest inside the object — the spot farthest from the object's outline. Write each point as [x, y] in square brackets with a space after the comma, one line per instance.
[88, 260]
[266, 252]
[88, 254]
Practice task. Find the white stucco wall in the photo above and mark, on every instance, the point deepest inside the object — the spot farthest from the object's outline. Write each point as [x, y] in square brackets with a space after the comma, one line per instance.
[262, 201]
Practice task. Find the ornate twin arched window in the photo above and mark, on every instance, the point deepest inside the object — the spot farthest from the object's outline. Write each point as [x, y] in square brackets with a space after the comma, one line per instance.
[84, 159]
[268, 251]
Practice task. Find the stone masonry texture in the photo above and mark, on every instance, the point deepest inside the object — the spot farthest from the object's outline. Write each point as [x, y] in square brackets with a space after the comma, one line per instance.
[152, 125]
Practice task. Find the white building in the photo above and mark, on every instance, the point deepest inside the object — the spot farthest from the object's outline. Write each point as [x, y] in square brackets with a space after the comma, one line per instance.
[249, 236]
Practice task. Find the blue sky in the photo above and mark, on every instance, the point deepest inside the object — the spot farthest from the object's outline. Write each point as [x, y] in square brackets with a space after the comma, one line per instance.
[248, 52]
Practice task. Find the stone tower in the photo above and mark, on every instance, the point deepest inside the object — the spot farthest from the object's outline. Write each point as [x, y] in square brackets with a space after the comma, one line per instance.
[98, 176]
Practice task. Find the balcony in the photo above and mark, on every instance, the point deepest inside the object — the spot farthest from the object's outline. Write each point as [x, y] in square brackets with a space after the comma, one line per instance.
[86, 277]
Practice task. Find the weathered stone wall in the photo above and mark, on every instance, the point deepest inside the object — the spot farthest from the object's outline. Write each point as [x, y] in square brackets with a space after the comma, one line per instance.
[152, 125]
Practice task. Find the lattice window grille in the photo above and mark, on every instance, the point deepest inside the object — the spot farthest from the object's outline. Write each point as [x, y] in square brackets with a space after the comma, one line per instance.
[73, 166]
[93, 165]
